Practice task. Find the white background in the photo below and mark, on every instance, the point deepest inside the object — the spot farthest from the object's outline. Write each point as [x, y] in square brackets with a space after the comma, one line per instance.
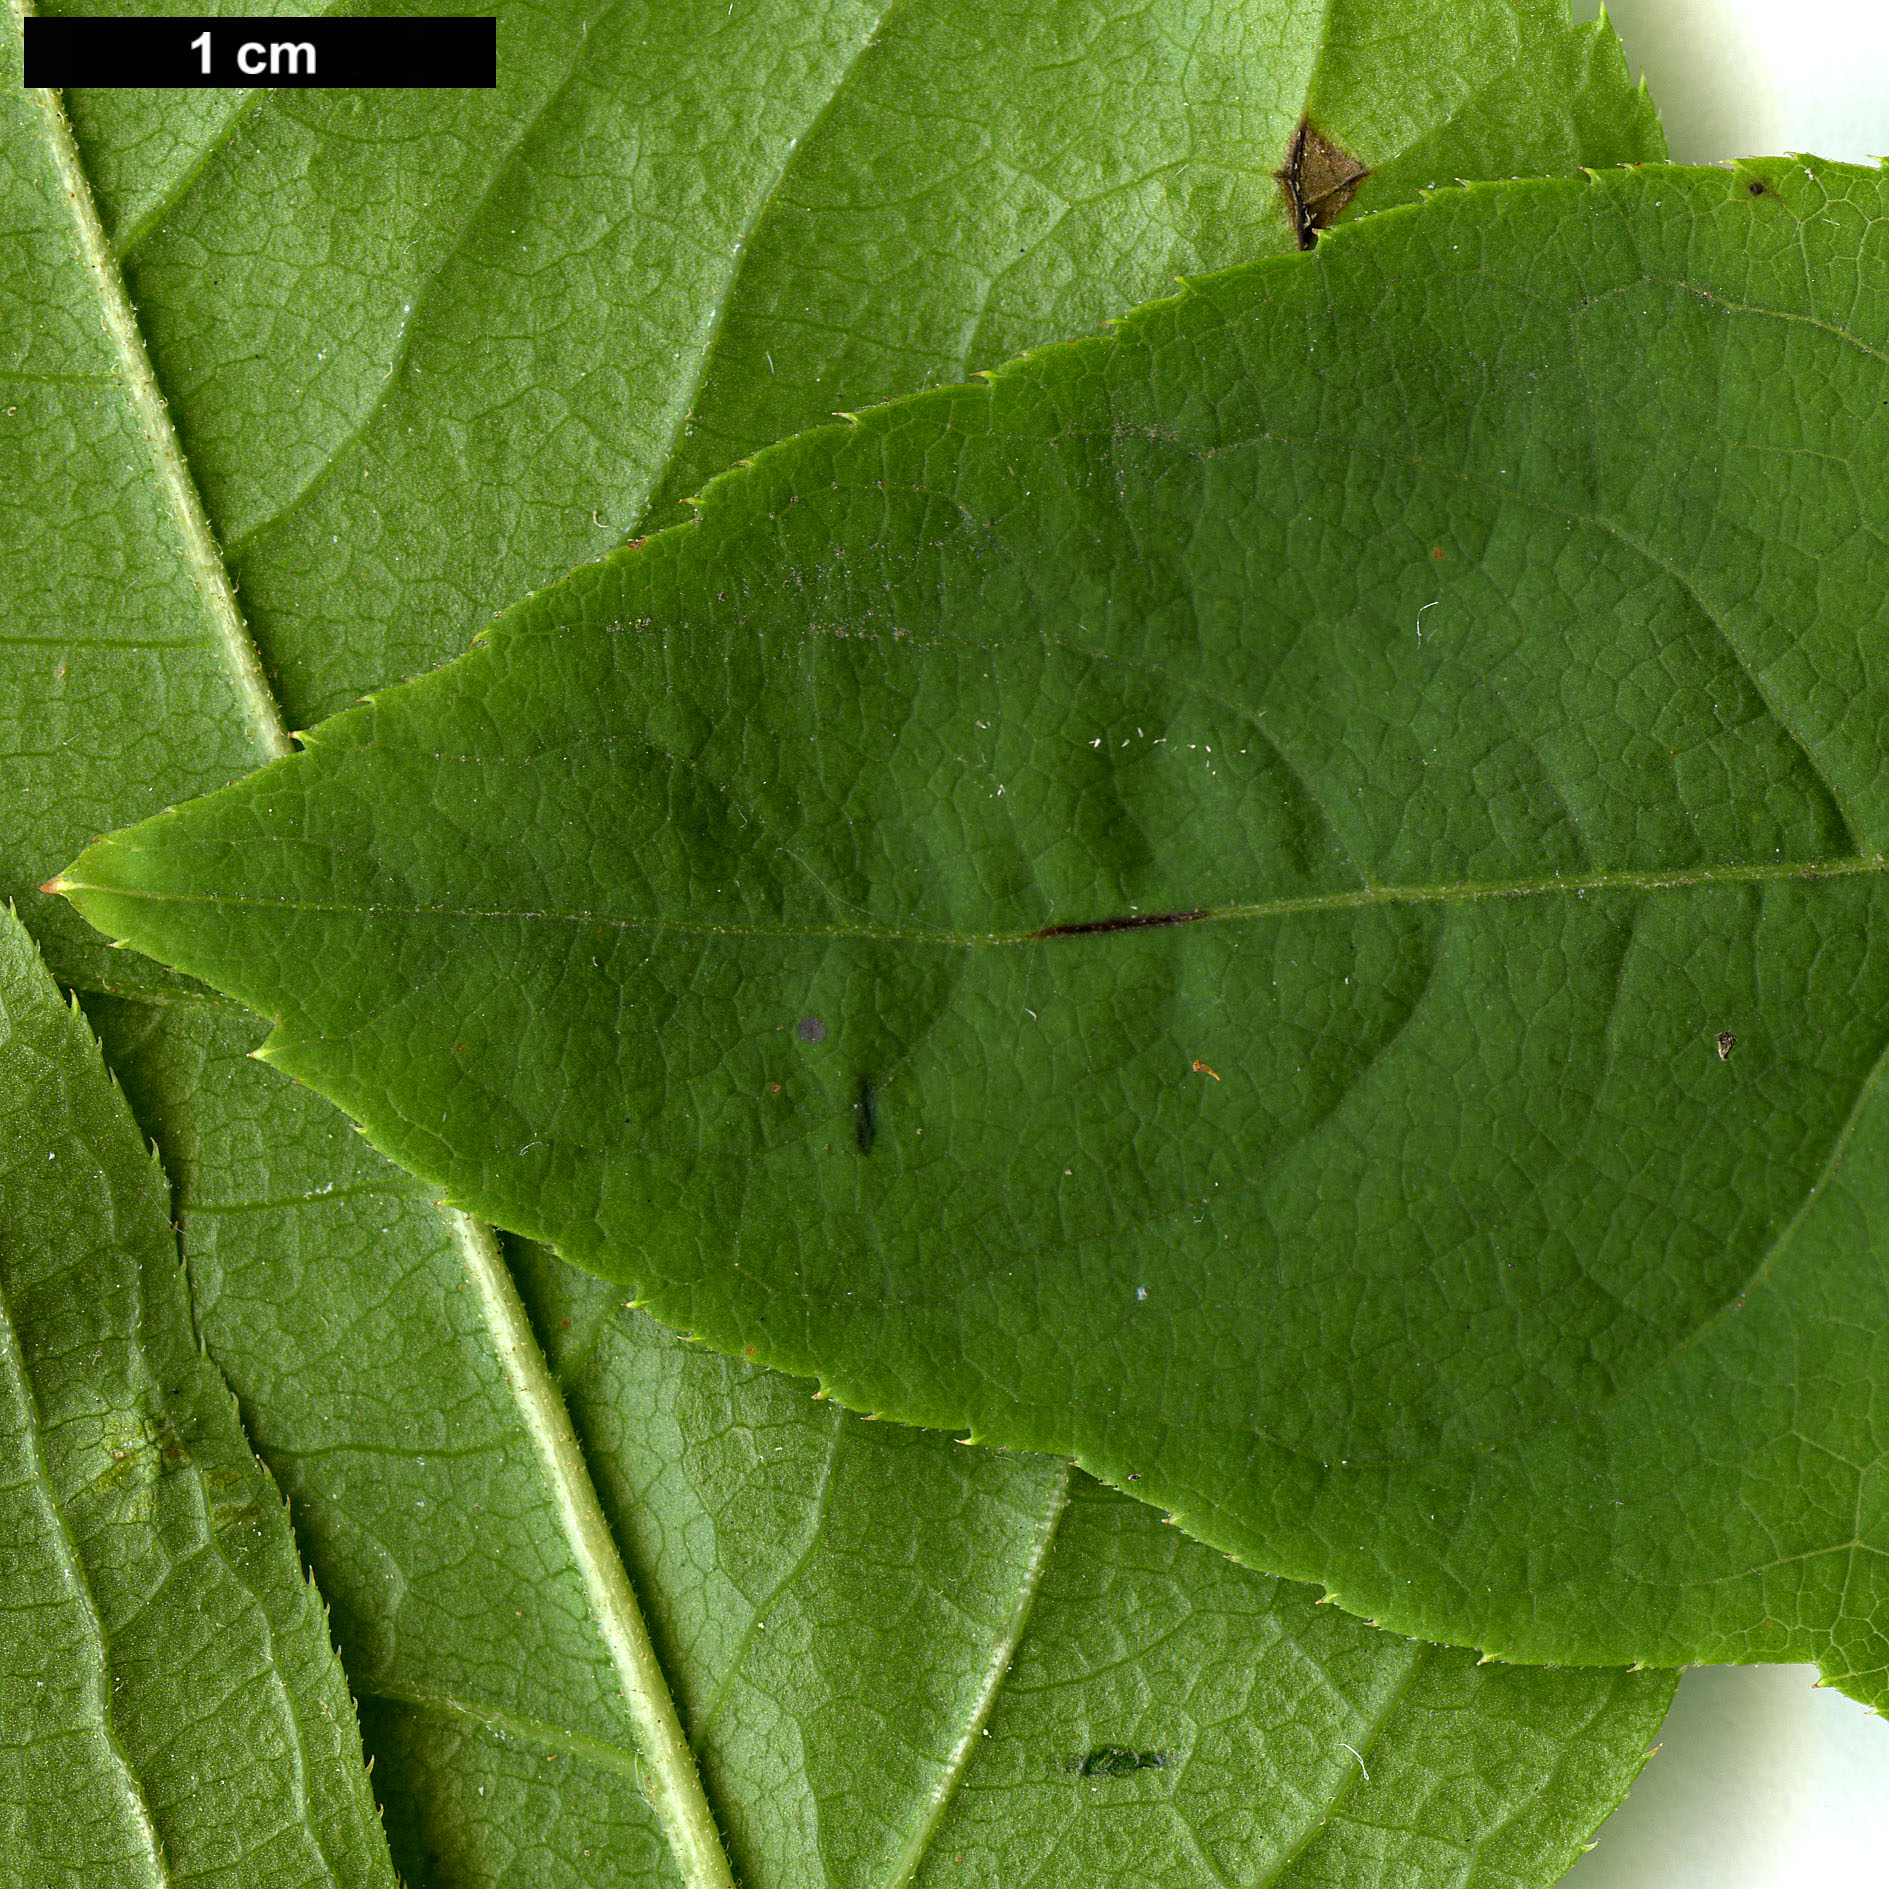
[1761, 1782]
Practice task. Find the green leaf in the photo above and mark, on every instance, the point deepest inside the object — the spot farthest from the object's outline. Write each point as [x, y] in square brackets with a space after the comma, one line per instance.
[379, 364]
[458, 343]
[127, 679]
[173, 1708]
[887, 1649]
[397, 358]
[1286, 902]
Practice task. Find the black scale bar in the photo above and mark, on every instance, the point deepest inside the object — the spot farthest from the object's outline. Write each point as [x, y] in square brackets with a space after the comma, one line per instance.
[200, 54]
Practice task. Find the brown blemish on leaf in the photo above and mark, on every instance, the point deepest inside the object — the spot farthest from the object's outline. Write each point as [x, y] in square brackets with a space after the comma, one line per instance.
[1727, 1042]
[1140, 922]
[1318, 180]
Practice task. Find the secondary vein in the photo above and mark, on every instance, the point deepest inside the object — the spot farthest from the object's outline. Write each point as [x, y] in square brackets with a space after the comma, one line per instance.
[98, 1669]
[663, 469]
[1349, 1779]
[998, 1670]
[559, 1739]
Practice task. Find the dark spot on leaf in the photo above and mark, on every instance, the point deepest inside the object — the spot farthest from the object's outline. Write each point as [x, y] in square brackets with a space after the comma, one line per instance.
[1318, 180]
[811, 1030]
[1140, 922]
[867, 1125]
[1727, 1042]
[1756, 188]
[1116, 1761]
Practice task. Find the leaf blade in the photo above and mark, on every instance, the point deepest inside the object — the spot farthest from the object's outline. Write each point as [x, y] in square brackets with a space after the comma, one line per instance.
[447, 1730]
[175, 1705]
[884, 1564]
[113, 591]
[1482, 1021]
[871, 166]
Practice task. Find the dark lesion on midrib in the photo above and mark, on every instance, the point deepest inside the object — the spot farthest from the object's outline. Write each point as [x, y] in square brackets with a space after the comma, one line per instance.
[1139, 922]
[1317, 180]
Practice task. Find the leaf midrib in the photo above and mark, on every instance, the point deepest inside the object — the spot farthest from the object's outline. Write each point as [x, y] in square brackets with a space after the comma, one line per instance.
[1362, 898]
[674, 1786]
[676, 1793]
[262, 719]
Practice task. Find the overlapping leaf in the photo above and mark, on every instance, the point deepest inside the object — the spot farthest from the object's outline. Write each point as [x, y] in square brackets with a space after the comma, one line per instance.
[420, 354]
[171, 1704]
[1289, 902]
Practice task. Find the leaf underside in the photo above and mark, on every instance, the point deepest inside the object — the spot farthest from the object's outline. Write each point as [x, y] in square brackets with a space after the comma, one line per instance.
[172, 1704]
[825, 1593]
[417, 354]
[1285, 902]
[424, 352]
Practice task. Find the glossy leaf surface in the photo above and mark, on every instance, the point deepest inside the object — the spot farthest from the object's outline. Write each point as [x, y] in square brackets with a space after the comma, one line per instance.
[1286, 902]
[172, 1707]
[412, 355]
